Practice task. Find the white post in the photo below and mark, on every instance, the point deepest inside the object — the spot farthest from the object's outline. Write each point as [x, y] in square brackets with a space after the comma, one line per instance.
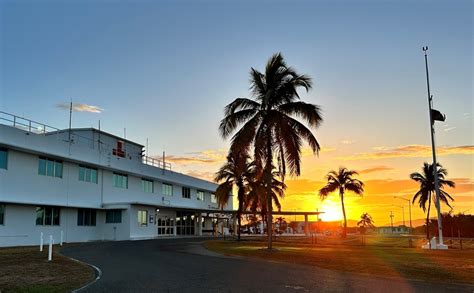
[50, 251]
[61, 240]
[41, 242]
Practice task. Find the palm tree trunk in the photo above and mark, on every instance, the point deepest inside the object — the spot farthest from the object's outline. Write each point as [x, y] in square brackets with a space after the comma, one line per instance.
[268, 175]
[344, 231]
[428, 218]
[239, 210]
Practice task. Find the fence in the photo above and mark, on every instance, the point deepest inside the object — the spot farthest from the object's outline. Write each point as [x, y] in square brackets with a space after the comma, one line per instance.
[410, 241]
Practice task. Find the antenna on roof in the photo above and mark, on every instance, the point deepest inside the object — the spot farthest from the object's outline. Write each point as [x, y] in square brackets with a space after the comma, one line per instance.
[70, 120]
[98, 141]
[164, 166]
[124, 132]
[147, 153]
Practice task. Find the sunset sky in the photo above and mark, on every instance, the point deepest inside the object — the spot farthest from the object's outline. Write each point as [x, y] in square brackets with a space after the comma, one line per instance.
[165, 71]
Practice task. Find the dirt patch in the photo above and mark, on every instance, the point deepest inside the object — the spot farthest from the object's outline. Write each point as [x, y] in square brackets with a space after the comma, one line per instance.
[26, 269]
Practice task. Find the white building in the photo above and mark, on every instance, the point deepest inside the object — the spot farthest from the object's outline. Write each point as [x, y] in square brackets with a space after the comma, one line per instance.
[90, 185]
[393, 230]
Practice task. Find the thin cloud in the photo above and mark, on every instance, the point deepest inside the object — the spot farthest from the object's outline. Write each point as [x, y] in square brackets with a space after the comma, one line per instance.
[187, 160]
[375, 169]
[307, 151]
[209, 176]
[411, 151]
[79, 107]
[347, 141]
[201, 157]
[450, 128]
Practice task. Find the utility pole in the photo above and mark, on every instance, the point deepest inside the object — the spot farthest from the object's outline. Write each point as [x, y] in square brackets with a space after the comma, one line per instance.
[403, 213]
[391, 220]
[409, 210]
[441, 245]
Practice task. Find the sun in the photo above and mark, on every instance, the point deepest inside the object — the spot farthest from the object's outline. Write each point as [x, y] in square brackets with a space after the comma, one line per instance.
[332, 211]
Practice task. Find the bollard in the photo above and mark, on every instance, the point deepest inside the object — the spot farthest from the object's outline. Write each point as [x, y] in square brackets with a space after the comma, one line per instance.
[41, 242]
[61, 239]
[50, 250]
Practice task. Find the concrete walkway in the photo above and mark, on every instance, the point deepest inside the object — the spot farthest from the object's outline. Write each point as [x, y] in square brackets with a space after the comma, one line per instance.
[184, 265]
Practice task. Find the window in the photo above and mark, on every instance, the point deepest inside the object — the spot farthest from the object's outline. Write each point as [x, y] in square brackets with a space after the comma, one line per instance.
[200, 195]
[142, 218]
[2, 214]
[87, 174]
[186, 192]
[147, 185]
[213, 198]
[120, 180]
[50, 167]
[167, 189]
[47, 216]
[3, 158]
[113, 216]
[86, 217]
[119, 150]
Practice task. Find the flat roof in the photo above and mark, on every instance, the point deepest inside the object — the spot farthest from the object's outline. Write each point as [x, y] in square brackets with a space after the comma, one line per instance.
[95, 130]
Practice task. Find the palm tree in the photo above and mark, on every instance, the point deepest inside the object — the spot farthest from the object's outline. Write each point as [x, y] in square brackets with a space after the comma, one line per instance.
[281, 225]
[343, 182]
[427, 188]
[268, 122]
[365, 222]
[237, 171]
[256, 196]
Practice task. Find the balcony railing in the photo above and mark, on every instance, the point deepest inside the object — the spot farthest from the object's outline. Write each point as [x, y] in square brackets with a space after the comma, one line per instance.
[156, 163]
[25, 124]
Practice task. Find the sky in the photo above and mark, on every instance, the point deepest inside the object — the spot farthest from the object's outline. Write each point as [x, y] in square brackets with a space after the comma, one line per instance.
[164, 71]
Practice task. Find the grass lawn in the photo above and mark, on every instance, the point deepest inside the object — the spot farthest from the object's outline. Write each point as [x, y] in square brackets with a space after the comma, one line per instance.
[26, 269]
[408, 263]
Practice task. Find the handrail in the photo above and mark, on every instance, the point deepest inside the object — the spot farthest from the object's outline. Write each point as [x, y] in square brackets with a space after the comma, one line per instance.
[156, 163]
[25, 123]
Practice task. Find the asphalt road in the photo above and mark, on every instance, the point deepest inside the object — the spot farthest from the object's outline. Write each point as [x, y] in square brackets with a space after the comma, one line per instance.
[184, 265]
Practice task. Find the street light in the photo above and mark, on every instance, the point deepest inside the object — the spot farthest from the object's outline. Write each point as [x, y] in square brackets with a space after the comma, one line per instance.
[403, 213]
[409, 210]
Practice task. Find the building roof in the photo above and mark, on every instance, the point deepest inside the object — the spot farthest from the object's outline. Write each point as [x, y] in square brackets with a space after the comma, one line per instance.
[95, 130]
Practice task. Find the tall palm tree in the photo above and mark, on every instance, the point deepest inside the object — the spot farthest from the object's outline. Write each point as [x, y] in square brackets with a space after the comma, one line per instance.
[343, 182]
[365, 222]
[237, 171]
[427, 190]
[269, 123]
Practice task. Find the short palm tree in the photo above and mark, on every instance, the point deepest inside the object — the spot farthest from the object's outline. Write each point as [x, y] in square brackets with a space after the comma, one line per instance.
[365, 222]
[256, 196]
[269, 122]
[342, 181]
[427, 190]
[237, 171]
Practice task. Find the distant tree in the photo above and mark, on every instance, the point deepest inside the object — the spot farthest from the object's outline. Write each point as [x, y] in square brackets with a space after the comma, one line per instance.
[281, 224]
[253, 222]
[272, 122]
[365, 222]
[342, 181]
[237, 171]
[293, 226]
[427, 192]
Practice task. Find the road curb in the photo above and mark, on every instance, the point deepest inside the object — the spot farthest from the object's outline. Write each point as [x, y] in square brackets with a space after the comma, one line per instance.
[97, 271]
